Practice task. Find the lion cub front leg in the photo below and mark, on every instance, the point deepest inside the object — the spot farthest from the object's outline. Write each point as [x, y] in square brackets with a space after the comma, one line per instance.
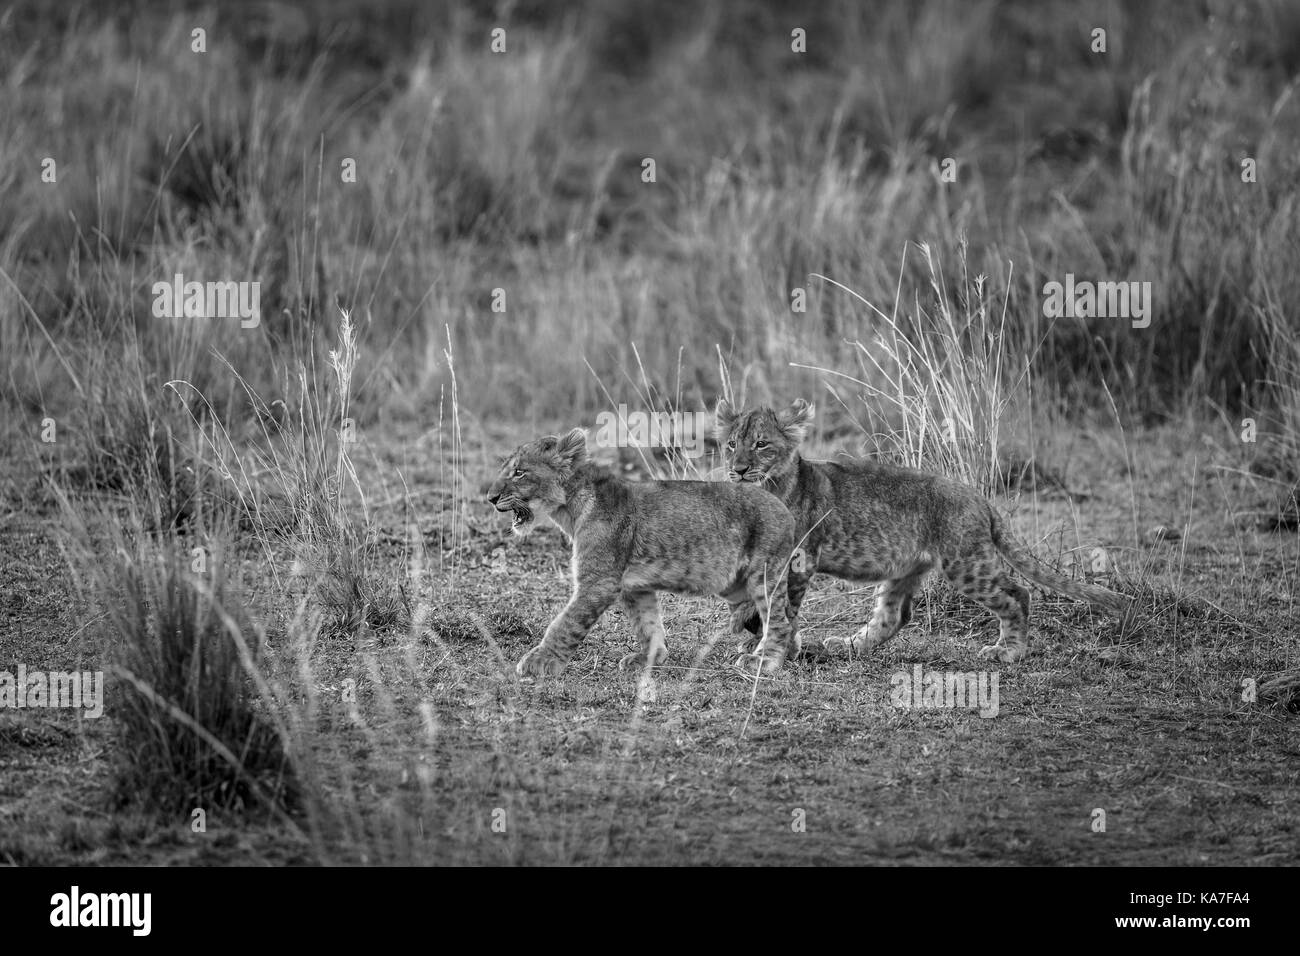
[591, 597]
[892, 611]
[643, 611]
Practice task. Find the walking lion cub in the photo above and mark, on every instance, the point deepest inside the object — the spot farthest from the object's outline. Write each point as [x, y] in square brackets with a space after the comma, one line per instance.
[631, 539]
[873, 522]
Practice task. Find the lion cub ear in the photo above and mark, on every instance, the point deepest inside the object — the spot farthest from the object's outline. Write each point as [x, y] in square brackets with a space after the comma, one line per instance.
[794, 421]
[724, 416]
[572, 447]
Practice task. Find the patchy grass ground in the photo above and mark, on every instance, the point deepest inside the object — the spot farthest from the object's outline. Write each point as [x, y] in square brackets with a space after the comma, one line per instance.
[816, 766]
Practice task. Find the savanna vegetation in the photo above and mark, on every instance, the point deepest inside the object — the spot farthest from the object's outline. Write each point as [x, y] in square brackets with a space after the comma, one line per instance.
[270, 533]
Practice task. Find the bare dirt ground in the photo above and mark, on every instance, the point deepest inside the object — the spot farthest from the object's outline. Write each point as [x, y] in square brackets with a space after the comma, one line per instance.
[448, 758]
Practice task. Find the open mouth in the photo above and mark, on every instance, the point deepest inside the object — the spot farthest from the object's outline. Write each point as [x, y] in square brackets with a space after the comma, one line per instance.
[523, 518]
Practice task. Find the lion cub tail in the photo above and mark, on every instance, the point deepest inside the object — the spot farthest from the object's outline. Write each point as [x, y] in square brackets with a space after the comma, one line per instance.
[1023, 560]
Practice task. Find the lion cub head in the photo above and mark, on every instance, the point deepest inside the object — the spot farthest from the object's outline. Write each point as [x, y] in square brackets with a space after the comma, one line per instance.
[532, 481]
[759, 444]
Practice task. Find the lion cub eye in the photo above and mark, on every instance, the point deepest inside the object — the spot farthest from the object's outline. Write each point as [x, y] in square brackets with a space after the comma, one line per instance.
[760, 444]
[519, 473]
[732, 443]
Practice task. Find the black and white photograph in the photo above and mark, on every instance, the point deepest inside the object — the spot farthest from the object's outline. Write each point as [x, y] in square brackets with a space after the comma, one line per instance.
[611, 433]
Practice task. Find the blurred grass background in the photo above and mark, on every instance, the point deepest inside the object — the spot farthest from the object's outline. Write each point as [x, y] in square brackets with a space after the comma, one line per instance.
[522, 171]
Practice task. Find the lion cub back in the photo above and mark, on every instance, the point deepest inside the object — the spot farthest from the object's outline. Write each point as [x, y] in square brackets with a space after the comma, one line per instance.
[703, 537]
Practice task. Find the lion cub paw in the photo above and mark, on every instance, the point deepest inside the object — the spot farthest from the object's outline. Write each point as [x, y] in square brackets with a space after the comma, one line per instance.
[1007, 653]
[749, 645]
[758, 663]
[640, 660]
[814, 649]
[839, 645]
[539, 662]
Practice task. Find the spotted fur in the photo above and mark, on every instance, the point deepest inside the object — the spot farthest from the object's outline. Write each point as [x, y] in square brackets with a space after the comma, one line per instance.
[632, 539]
[871, 522]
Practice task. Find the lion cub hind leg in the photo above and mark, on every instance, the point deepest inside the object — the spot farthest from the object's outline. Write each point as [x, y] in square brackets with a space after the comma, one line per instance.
[746, 625]
[982, 579]
[590, 600]
[796, 588]
[766, 586]
[643, 611]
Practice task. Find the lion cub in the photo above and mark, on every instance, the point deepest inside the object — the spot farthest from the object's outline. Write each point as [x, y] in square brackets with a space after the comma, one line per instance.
[867, 521]
[631, 539]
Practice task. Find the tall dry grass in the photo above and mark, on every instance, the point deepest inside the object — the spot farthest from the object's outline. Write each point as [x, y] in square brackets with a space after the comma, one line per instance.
[521, 172]
[936, 382]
